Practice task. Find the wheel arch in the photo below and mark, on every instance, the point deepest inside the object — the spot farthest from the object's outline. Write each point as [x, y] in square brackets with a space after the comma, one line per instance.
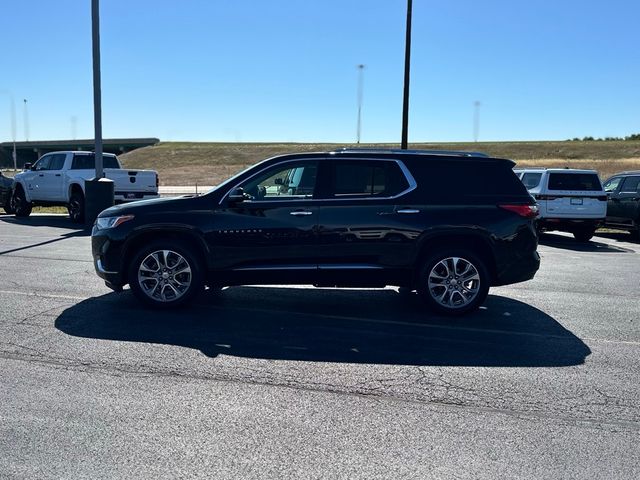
[184, 235]
[474, 242]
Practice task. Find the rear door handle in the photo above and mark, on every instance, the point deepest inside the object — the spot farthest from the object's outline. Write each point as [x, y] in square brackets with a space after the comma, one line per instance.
[408, 210]
[41, 174]
[301, 213]
[57, 174]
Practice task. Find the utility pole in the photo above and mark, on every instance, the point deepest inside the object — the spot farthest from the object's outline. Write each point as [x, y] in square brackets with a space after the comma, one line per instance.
[407, 63]
[360, 86]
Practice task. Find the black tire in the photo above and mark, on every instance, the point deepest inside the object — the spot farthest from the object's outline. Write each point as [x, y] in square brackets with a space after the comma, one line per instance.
[584, 234]
[448, 293]
[76, 207]
[144, 281]
[21, 207]
[8, 204]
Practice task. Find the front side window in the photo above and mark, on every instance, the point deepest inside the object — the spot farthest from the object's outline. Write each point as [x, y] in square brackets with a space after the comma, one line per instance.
[630, 185]
[612, 184]
[283, 182]
[531, 180]
[43, 163]
[574, 181]
[360, 179]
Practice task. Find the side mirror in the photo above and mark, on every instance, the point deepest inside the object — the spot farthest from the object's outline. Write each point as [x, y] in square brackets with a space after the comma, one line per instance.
[237, 196]
[28, 166]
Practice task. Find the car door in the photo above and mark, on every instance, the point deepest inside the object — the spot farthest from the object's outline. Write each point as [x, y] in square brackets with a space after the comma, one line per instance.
[629, 198]
[612, 189]
[270, 235]
[362, 222]
[51, 178]
[35, 180]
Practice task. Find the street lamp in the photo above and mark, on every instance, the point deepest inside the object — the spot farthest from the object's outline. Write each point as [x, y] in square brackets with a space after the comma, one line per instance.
[360, 85]
[26, 121]
[12, 110]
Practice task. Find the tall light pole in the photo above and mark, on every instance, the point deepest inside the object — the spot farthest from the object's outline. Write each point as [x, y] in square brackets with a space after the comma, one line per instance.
[26, 121]
[97, 90]
[476, 120]
[407, 63]
[360, 86]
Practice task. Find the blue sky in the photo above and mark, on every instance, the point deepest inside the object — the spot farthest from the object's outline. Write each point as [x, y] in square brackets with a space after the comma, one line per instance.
[285, 70]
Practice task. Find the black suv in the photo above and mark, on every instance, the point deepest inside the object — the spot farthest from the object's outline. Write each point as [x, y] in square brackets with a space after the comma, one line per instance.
[623, 204]
[447, 224]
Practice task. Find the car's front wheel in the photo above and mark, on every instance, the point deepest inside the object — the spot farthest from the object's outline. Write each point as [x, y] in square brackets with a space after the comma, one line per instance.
[19, 203]
[165, 274]
[453, 282]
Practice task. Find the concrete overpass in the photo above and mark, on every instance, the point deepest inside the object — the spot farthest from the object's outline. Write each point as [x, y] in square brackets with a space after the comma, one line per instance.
[31, 151]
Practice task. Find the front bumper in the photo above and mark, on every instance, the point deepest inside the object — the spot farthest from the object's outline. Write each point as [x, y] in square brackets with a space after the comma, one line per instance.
[106, 261]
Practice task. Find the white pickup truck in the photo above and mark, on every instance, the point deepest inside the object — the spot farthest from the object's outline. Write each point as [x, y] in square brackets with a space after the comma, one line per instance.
[58, 178]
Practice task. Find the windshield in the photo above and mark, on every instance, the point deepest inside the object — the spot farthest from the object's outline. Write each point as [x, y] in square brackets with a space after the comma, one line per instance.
[233, 179]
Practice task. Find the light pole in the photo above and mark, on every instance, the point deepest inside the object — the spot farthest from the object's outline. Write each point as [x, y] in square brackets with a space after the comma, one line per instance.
[26, 121]
[99, 191]
[360, 86]
[12, 110]
[476, 120]
[407, 63]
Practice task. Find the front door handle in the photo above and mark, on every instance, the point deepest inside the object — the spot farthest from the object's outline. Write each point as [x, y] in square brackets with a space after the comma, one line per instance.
[41, 174]
[57, 174]
[408, 210]
[301, 213]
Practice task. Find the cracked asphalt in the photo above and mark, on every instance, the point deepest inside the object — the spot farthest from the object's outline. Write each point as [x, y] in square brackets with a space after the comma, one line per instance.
[271, 382]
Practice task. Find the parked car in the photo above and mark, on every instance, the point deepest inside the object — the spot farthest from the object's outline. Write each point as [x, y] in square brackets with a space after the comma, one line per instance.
[6, 190]
[448, 225]
[570, 200]
[623, 207]
[58, 178]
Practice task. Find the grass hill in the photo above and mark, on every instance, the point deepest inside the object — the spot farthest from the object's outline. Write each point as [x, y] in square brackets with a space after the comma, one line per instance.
[188, 163]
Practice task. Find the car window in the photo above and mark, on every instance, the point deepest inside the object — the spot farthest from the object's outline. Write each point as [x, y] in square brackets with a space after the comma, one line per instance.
[531, 180]
[57, 161]
[630, 185]
[283, 182]
[43, 163]
[367, 179]
[611, 184]
[574, 181]
[88, 162]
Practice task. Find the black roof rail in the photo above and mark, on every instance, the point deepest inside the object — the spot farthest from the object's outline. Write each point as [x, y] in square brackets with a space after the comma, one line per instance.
[457, 153]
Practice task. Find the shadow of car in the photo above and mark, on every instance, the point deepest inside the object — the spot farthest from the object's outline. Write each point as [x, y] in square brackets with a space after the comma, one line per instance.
[344, 326]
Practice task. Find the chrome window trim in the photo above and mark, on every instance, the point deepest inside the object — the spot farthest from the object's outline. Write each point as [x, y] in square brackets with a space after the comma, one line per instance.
[405, 171]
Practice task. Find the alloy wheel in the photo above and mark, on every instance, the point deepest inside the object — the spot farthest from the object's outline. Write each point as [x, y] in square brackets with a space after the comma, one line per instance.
[164, 276]
[453, 282]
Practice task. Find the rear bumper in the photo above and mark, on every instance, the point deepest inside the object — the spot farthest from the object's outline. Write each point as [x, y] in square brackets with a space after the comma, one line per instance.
[569, 224]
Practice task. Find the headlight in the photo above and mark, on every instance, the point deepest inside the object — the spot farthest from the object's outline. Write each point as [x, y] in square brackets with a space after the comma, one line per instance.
[102, 223]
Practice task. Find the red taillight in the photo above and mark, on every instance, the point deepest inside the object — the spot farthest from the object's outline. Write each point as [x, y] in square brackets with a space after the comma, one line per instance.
[526, 211]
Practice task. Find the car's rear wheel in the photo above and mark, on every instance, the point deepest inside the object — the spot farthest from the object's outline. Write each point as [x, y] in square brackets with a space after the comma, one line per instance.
[165, 274]
[584, 234]
[454, 282]
[76, 207]
[21, 206]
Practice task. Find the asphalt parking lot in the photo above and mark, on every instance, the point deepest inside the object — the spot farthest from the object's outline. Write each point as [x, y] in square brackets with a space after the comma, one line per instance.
[257, 382]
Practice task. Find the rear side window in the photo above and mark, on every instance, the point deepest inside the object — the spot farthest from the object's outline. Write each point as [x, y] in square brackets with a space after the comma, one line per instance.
[630, 185]
[460, 181]
[574, 181]
[361, 178]
[531, 180]
[88, 162]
